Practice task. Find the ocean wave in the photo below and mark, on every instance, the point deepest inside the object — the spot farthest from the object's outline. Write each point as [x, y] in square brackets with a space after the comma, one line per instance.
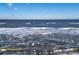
[74, 23]
[2, 23]
[28, 23]
[51, 23]
[43, 28]
[28, 30]
[69, 28]
[22, 30]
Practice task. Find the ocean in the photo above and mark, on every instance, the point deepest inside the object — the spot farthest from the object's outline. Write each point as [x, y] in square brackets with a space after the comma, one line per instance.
[35, 37]
[39, 23]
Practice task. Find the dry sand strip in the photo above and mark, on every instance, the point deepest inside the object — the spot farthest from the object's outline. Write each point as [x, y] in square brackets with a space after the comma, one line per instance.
[67, 50]
[12, 49]
[19, 49]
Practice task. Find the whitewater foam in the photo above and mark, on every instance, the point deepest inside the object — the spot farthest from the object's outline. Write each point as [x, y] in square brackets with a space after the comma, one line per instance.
[32, 30]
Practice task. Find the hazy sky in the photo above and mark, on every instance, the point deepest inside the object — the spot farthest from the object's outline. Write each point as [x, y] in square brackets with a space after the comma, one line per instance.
[39, 11]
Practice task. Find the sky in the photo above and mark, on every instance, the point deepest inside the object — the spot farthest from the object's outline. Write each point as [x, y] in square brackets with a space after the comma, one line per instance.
[39, 10]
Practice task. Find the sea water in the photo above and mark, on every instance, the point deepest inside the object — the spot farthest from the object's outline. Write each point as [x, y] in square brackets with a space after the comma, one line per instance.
[38, 35]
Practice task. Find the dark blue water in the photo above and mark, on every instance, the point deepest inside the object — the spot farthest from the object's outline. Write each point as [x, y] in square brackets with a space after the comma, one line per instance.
[39, 23]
